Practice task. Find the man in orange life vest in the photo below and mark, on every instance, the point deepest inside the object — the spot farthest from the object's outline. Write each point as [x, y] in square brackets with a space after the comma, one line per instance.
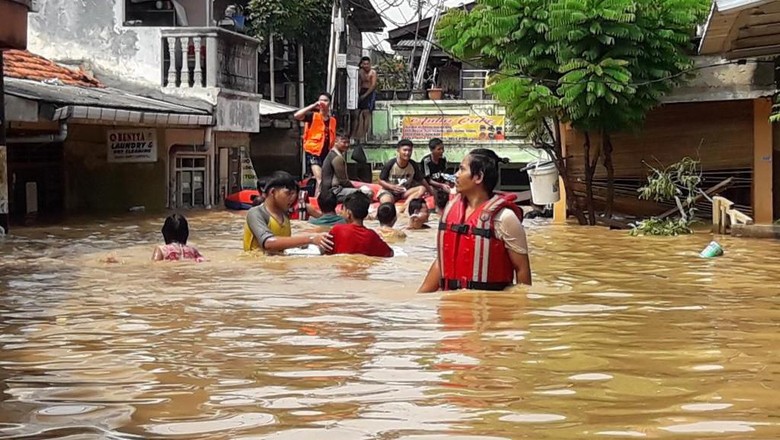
[482, 243]
[319, 134]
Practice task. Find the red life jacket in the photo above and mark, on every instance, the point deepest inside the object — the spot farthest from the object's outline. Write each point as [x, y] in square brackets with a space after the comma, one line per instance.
[470, 254]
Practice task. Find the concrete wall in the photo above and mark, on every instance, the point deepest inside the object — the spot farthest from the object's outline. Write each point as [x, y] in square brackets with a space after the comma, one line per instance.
[96, 186]
[92, 30]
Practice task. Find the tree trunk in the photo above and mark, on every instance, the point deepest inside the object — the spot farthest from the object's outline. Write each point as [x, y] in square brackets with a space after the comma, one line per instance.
[590, 169]
[610, 174]
[563, 170]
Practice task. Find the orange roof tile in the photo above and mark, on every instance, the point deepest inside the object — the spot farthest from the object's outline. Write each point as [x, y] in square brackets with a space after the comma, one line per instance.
[25, 65]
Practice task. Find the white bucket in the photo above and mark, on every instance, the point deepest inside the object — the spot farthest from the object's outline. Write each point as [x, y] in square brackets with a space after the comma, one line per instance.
[544, 184]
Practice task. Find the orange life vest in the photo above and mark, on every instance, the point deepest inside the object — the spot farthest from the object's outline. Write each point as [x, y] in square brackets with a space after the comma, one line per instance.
[314, 134]
[470, 254]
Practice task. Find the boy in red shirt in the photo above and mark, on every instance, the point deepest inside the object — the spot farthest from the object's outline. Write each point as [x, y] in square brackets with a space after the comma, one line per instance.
[353, 237]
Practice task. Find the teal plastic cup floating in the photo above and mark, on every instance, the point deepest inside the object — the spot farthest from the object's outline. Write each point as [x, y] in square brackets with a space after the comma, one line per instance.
[712, 250]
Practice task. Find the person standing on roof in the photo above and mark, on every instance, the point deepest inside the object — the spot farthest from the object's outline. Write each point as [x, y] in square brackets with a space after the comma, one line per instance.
[319, 134]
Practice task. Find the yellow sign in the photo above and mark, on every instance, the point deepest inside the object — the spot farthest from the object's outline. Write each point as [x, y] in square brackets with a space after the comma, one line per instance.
[471, 127]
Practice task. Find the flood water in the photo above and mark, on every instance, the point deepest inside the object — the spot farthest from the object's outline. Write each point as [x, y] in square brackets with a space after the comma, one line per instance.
[620, 337]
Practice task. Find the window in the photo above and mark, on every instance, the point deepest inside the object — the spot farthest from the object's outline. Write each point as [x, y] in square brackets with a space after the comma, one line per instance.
[155, 13]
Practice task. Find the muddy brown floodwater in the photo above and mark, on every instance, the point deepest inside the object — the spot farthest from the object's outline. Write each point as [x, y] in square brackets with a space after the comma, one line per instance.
[620, 337]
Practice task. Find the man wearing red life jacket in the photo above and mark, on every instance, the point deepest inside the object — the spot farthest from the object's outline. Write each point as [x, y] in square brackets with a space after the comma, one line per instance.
[319, 134]
[482, 243]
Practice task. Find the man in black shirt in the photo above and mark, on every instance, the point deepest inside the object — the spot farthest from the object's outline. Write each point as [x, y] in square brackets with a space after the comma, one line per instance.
[401, 178]
[434, 165]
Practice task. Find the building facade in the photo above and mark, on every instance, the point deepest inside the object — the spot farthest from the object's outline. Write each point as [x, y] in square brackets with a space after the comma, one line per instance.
[173, 50]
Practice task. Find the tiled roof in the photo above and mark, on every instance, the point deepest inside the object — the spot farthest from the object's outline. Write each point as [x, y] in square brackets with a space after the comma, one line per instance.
[25, 65]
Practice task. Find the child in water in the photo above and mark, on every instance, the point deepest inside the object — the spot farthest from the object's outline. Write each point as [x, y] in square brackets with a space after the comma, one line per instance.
[175, 232]
[387, 216]
[418, 214]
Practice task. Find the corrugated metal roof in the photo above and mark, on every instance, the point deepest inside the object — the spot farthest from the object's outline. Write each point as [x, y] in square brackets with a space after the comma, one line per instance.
[742, 29]
[727, 5]
[410, 43]
[61, 95]
[268, 108]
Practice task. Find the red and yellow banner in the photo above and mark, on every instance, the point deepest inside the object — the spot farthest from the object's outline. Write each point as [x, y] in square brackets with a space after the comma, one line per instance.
[456, 128]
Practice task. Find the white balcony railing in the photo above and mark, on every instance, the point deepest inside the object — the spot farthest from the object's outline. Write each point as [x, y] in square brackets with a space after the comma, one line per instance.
[208, 57]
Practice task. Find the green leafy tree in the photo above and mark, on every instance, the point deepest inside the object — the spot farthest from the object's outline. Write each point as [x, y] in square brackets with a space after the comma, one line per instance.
[599, 65]
[299, 21]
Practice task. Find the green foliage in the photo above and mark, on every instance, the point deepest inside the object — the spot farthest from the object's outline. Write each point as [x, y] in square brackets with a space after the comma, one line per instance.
[304, 21]
[599, 64]
[678, 182]
[393, 74]
[665, 227]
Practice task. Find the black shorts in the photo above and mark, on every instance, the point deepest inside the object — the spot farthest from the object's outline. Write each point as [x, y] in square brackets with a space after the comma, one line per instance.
[316, 160]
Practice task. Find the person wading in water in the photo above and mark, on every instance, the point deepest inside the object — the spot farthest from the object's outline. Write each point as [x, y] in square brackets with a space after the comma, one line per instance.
[482, 243]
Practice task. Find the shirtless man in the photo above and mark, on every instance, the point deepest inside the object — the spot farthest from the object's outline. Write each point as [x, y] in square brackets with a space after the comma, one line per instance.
[367, 99]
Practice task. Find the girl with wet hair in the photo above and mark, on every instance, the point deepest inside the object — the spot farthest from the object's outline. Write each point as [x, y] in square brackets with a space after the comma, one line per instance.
[175, 232]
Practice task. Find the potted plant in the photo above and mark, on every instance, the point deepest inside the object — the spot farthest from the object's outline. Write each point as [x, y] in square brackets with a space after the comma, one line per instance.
[435, 92]
[393, 79]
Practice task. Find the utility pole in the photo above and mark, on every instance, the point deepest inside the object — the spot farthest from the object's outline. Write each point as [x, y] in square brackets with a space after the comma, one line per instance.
[340, 95]
[3, 156]
[414, 47]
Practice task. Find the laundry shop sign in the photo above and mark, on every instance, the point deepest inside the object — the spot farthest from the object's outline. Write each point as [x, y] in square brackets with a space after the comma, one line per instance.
[134, 145]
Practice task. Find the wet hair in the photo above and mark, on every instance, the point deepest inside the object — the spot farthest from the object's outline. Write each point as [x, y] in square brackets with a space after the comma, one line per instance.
[442, 198]
[485, 161]
[364, 59]
[386, 214]
[330, 97]
[281, 179]
[327, 201]
[435, 142]
[176, 229]
[405, 143]
[257, 200]
[358, 204]
[416, 205]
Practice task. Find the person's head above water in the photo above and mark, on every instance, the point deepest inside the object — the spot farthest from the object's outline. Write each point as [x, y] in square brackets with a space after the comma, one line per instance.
[442, 198]
[327, 202]
[418, 206]
[387, 214]
[356, 206]
[281, 190]
[478, 171]
[176, 229]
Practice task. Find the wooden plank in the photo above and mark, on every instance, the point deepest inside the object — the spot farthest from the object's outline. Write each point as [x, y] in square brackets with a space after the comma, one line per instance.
[712, 191]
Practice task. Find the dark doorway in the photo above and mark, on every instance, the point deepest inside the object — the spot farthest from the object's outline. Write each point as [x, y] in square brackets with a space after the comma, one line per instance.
[36, 178]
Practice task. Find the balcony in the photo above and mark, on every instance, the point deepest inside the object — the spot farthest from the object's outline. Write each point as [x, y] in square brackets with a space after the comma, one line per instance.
[196, 58]
[458, 85]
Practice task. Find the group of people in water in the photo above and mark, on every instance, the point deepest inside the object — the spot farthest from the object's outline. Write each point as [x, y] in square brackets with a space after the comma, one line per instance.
[481, 240]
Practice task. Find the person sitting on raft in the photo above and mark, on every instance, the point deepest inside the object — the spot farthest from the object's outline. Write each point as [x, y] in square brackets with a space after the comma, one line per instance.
[175, 232]
[418, 214]
[334, 170]
[387, 216]
[401, 178]
[482, 243]
[268, 227]
[327, 202]
[353, 237]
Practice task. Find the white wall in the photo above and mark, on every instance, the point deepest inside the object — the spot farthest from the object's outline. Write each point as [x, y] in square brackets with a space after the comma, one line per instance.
[73, 31]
